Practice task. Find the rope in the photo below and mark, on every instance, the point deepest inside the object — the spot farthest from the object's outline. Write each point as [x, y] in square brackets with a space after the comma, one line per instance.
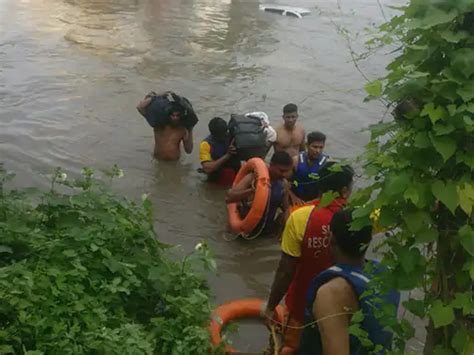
[309, 324]
[276, 342]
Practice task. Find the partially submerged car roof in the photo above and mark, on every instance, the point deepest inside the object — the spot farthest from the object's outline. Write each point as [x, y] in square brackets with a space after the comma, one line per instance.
[298, 12]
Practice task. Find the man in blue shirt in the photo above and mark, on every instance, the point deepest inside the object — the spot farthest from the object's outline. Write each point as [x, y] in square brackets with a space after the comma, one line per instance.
[340, 291]
[307, 164]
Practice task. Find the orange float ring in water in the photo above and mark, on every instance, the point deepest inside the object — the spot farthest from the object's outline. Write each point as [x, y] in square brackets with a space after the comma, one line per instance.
[244, 308]
[262, 186]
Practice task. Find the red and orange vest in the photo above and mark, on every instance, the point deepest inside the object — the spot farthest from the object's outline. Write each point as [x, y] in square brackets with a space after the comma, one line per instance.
[315, 256]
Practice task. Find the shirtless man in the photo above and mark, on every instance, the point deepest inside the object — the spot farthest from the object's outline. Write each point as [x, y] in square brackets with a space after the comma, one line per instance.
[168, 138]
[290, 135]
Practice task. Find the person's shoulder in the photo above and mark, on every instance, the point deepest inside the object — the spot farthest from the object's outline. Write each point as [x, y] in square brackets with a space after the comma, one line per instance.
[204, 144]
[336, 290]
[280, 128]
[299, 128]
[301, 214]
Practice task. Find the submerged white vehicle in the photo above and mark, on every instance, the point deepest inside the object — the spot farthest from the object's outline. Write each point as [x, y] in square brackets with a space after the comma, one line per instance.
[298, 12]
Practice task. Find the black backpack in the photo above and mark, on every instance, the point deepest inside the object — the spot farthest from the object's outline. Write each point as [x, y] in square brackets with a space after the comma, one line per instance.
[249, 137]
[160, 108]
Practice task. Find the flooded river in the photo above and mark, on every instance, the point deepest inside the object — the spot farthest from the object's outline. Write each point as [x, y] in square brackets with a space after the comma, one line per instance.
[72, 72]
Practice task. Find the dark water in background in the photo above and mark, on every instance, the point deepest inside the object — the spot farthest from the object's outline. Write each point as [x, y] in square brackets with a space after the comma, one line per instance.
[72, 72]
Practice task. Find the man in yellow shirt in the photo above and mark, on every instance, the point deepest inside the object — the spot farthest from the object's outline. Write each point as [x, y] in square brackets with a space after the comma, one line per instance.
[217, 154]
[306, 252]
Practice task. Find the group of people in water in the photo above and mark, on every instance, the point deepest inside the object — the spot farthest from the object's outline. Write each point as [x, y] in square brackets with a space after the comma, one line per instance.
[321, 270]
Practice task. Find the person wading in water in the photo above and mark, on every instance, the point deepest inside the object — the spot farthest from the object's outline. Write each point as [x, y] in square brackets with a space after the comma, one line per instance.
[290, 135]
[170, 133]
[336, 293]
[306, 252]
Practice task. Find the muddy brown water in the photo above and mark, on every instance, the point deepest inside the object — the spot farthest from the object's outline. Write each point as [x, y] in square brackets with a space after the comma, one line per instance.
[72, 71]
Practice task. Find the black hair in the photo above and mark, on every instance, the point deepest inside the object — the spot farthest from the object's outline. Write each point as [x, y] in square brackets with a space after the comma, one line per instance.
[290, 108]
[218, 127]
[316, 137]
[353, 244]
[281, 158]
[334, 177]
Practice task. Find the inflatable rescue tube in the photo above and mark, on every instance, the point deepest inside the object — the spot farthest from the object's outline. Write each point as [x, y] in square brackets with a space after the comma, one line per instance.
[259, 204]
[244, 308]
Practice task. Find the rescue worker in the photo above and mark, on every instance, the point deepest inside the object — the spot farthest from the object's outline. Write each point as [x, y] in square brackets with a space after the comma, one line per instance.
[305, 253]
[279, 170]
[336, 293]
[217, 154]
[305, 185]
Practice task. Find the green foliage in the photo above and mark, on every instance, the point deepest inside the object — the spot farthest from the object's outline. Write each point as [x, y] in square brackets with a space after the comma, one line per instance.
[82, 272]
[421, 165]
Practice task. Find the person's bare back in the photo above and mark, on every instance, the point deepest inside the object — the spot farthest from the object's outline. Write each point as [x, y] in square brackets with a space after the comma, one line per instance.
[168, 140]
[291, 141]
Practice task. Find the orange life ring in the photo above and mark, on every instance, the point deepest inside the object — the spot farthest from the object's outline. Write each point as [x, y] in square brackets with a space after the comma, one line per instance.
[244, 308]
[262, 185]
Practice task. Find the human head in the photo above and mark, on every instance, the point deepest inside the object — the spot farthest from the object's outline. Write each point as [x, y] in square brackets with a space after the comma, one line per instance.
[281, 165]
[346, 243]
[290, 115]
[337, 178]
[218, 128]
[315, 144]
[175, 117]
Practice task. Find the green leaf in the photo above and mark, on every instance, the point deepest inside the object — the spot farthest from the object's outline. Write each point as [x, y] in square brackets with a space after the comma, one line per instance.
[446, 146]
[357, 317]
[427, 235]
[452, 109]
[463, 61]
[446, 193]
[441, 315]
[422, 140]
[466, 238]
[374, 88]
[411, 194]
[6, 349]
[469, 267]
[468, 120]
[442, 129]
[409, 259]
[396, 184]
[467, 91]
[460, 340]
[432, 17]
[466, 197]
[388, 217]
[435, 113]
[417, 307]
[417, 220]
[327, 198]
[454, 37]
[466, 107]
[154, 273]
[70, 253]
[463, 301]
[5, 249]
[441, 350]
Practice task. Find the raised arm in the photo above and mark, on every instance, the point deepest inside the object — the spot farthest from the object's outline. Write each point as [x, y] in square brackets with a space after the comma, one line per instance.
[209, 165]
[242, 190]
